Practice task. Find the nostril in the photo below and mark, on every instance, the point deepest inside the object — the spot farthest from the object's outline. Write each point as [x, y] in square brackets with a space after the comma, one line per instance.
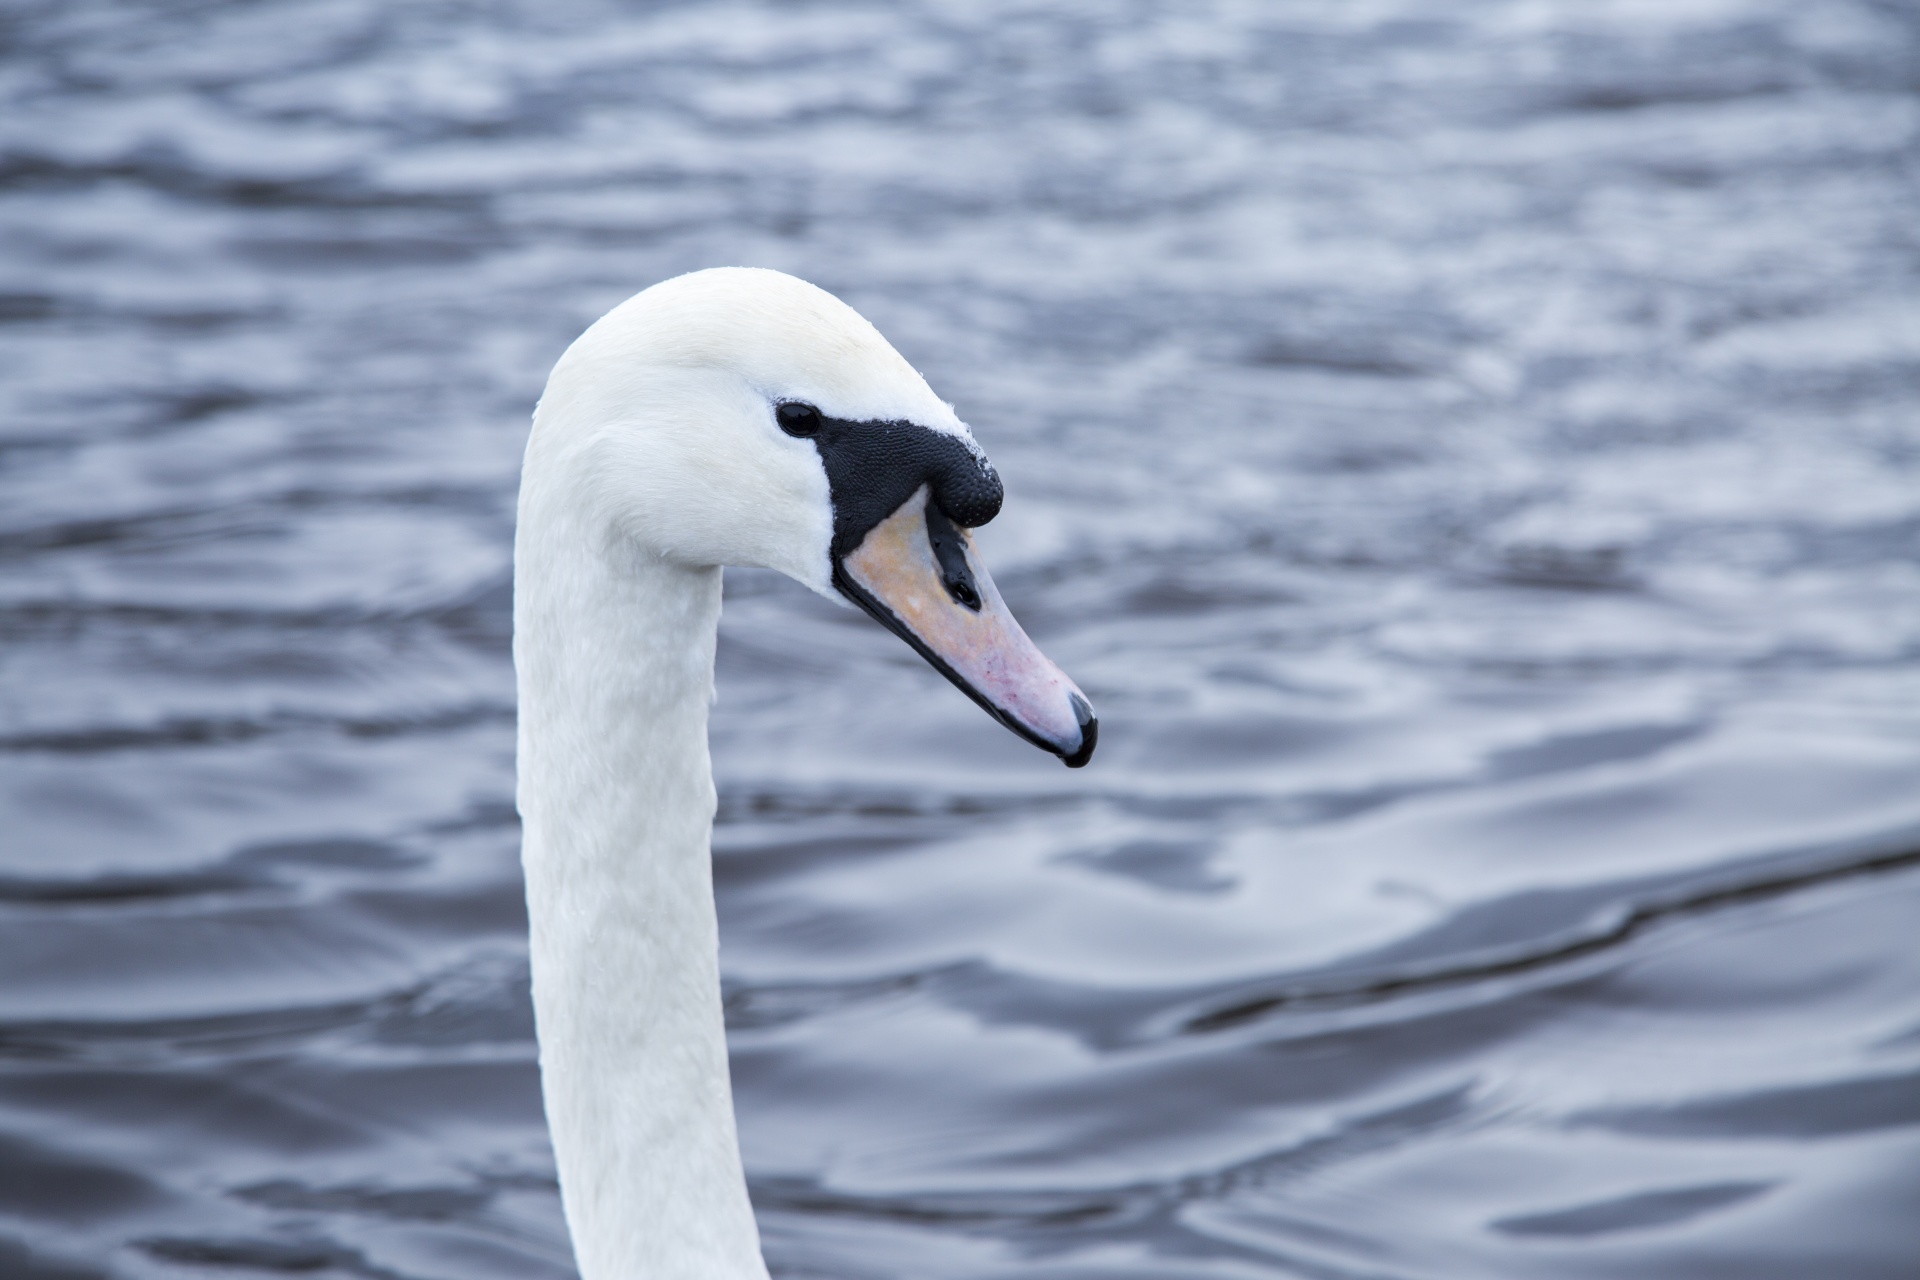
[950, 553]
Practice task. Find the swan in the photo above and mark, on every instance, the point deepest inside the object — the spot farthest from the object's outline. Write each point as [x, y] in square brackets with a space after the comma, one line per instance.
[733, 416]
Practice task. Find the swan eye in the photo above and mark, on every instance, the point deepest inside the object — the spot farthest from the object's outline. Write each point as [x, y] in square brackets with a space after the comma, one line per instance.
[798, 419]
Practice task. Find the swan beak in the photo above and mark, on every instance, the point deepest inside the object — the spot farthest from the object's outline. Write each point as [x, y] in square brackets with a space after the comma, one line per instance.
[919, 575]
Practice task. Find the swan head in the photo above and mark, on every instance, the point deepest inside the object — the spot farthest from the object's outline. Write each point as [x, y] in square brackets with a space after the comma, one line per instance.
[742, 416]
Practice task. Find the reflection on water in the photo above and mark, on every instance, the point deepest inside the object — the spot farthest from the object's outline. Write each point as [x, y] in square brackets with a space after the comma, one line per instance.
[1467, 451]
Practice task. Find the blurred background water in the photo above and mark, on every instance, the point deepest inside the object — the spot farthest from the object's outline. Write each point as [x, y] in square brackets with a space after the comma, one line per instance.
[1470, 453]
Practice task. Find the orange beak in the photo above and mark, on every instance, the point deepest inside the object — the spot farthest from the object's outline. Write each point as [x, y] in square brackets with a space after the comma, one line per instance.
[919, 575]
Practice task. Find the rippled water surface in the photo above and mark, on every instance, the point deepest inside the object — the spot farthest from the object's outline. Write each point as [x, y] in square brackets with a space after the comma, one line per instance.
[1470, 452]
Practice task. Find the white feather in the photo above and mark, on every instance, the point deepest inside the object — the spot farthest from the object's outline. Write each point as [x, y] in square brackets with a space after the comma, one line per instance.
[654, 460]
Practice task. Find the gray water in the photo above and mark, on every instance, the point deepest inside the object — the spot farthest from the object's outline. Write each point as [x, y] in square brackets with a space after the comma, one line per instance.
[1469, 452]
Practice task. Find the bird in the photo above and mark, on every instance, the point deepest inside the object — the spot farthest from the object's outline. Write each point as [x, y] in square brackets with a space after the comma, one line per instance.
[730, 416]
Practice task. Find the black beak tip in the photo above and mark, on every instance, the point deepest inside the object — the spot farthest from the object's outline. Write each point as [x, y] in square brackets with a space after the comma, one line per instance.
[1089, 733]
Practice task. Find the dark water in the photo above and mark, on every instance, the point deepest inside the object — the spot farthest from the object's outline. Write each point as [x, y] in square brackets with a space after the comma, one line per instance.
[1470, 452]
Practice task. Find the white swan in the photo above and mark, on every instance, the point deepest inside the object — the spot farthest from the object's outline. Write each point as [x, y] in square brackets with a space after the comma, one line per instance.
[733, 416]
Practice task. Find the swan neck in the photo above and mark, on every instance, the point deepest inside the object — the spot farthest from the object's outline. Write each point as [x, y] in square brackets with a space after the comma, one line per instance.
[614, 654]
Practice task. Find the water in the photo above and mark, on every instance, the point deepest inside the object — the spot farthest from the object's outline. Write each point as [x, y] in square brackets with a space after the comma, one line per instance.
[1469, 452]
